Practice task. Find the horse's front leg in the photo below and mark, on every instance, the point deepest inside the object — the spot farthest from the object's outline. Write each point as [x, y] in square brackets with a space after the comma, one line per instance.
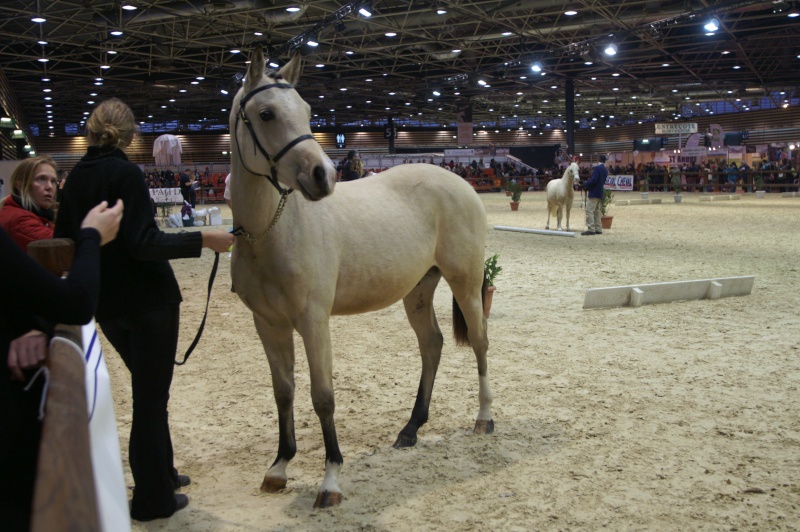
[279, 346]
[316, 336]
[549, 212]
[568, 207]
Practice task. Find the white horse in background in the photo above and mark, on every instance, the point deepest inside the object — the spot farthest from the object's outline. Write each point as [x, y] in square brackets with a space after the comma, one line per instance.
[301, 257]
[560, 193]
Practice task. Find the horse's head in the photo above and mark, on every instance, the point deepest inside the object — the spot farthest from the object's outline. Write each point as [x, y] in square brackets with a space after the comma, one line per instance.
[574, 170]
[270, 127]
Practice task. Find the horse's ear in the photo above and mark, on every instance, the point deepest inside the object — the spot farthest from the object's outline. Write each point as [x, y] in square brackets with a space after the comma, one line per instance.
[291, 70]
[256, 69]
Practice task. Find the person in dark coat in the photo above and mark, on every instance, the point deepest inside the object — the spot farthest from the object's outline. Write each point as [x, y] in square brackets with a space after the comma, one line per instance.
[595, 187]
[139, 307]
[33, 301]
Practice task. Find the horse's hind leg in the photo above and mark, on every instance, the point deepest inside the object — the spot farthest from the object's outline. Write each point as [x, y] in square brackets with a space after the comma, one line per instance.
[549, 212]
[419, 309]
[279, 346]
[558, 214]
[468, 297]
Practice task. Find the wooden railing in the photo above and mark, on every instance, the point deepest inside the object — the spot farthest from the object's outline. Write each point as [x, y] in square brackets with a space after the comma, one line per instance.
[64, 496]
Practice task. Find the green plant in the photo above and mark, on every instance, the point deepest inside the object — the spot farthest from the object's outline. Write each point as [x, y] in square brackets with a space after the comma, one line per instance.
[491, 269]
[516, 191]
[608, 197]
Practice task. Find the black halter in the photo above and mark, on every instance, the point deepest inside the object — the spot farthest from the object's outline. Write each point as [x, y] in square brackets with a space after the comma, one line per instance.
[273, 161]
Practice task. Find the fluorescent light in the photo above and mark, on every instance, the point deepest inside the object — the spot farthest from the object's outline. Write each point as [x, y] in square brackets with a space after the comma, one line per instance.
[712, 25]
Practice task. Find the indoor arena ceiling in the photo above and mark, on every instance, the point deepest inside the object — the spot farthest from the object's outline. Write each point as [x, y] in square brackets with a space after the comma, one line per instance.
[174, 59]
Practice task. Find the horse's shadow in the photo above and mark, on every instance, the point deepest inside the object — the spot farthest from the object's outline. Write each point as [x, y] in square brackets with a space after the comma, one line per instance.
[383, 479]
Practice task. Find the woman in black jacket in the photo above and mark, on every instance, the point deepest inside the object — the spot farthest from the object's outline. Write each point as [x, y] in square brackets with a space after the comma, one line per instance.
[139, 307]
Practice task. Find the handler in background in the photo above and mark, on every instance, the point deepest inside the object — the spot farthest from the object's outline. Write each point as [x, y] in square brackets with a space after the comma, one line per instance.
[595, 186]
[139, 306]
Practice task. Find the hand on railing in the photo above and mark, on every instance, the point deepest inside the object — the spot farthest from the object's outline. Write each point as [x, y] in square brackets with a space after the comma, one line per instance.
[27, 351]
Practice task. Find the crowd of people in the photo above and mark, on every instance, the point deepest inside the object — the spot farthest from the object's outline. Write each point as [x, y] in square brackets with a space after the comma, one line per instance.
[714, 175]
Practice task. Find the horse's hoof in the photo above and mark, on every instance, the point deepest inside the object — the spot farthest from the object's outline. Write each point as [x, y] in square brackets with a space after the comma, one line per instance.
[326, 499]
[273, 484]
[484, 426]
[405, 441]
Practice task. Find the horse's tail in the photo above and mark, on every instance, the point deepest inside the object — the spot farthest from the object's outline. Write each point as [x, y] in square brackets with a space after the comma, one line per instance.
[459, 323]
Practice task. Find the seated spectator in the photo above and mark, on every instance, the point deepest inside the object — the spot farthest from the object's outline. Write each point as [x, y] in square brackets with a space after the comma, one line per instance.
[27, 214]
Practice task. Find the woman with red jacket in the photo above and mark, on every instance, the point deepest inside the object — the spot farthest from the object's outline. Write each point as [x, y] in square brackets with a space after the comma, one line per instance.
[27, 214]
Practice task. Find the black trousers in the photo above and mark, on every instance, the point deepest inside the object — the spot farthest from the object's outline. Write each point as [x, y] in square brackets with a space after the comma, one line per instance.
[20, 431]
[147, 345]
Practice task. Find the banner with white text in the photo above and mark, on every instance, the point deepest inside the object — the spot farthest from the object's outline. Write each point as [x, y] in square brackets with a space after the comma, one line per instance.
[619, 182]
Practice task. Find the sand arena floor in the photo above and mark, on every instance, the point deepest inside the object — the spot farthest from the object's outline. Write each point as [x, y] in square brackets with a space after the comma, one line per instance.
[679, 416]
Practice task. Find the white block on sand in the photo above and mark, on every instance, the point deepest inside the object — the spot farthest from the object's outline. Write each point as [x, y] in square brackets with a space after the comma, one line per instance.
[648, 294]
[548, 232]
[651, 201]
[721, 197]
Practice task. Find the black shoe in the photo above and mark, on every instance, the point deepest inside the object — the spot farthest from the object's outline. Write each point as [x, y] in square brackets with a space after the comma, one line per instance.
[181, 481]
[181, 502]
[599, 233]
[587, 233]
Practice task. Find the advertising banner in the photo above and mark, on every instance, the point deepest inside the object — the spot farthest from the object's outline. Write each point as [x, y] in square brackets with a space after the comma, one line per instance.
[166, 195]
[464, 121]
[682, 128]
[619, 182]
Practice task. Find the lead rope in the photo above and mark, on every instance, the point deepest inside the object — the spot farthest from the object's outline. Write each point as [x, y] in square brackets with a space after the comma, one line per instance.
[205, 314]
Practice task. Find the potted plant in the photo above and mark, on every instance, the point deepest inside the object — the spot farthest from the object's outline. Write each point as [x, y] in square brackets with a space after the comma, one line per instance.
[490, 271]
[677, 190]
[516, 195]
[605, 203]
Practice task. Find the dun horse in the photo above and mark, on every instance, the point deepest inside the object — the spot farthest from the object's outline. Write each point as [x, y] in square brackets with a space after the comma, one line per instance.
[303, 256]
[560, 193]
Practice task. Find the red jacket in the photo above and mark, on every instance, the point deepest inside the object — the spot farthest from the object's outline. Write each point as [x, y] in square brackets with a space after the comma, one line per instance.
[22, 225]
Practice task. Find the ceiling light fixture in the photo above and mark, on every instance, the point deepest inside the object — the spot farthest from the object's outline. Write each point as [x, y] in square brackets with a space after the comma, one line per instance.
[536, 66]
[611, 49]
[312, 41]
[712, 25]
[366, 10]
